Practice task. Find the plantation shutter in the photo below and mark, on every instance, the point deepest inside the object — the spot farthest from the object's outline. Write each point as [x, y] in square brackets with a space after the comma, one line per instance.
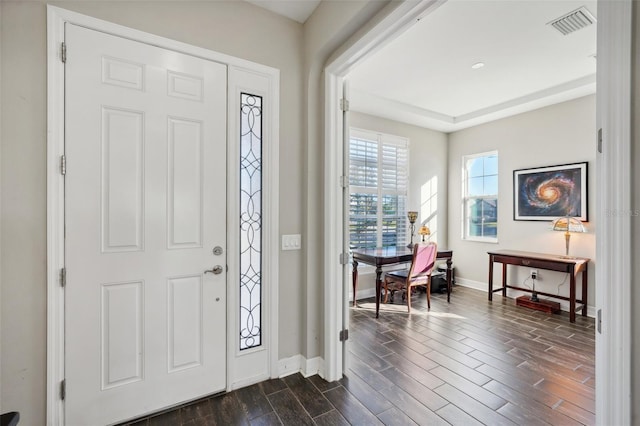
[378, 179]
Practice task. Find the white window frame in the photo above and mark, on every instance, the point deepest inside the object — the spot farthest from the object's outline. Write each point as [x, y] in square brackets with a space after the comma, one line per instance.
[466, 197]
[381, 138]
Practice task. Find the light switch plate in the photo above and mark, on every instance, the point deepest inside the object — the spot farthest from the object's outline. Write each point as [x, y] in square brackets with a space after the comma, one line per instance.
[291, 242]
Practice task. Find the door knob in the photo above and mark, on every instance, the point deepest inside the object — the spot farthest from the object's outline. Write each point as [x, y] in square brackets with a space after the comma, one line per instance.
[216, 270]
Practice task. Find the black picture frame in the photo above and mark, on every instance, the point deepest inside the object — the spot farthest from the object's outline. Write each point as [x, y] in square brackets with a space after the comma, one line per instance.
[546, 193]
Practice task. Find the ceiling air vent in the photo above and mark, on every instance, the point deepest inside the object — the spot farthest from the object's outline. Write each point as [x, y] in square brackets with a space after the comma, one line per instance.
[573, 21]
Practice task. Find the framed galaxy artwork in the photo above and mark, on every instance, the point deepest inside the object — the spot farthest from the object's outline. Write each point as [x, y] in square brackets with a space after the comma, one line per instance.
[546, 193]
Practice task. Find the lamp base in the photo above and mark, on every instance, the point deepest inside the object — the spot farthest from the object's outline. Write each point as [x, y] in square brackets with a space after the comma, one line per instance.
[540, 305]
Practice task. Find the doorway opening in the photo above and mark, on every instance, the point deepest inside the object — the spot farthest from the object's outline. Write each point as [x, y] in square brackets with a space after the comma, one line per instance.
[614, 23]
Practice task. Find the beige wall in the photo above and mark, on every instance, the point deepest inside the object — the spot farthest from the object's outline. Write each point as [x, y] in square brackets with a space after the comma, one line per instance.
[635, 222]
[558, 134]
[329, 28]
[258, 35]
[427, 178]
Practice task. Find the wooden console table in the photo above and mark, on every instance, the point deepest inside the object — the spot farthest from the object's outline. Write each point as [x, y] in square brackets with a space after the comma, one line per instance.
[380, 257]
[573, 266]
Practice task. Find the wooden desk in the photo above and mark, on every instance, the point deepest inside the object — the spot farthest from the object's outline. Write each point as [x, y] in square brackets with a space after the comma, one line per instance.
[380, 257]
[573, 266]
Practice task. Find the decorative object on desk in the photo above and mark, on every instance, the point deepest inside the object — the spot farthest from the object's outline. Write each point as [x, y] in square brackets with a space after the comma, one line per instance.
[567, 225]
[544, 193]
[413, 216]
[424, 230]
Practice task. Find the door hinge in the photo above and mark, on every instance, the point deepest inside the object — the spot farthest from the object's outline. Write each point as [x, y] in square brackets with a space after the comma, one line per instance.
[344, 258]
[63, 52]
[63, 165]
[344, 335]
[63, 389]
[344, 182]
[344, 104]
[600, 321]
[63, 277]
[600, 141]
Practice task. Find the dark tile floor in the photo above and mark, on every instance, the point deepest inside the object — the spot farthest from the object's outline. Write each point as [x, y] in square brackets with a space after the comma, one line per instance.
[469, 362]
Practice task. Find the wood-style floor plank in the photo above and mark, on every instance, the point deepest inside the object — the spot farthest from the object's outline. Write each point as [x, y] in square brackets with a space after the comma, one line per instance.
[288, 409]
[468, 362]
[412, 408]
[417, 390]
[350, 408]
[308, 395]
[455, 416]
[525, 402]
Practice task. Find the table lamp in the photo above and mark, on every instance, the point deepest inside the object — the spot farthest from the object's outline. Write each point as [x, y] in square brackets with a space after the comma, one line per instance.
[567, 225]
[413, 216]
[424, 230]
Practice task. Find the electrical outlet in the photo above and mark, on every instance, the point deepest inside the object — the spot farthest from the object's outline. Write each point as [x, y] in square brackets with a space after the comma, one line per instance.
[534, 274]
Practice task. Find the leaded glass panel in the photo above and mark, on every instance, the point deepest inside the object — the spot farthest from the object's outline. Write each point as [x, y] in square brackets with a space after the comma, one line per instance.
[250, 221]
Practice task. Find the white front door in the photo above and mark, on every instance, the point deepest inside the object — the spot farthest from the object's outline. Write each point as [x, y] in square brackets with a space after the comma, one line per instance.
[145, 206]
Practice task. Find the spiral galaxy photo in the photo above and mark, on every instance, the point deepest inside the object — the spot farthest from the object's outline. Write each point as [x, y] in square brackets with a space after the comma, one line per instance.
[546, 193]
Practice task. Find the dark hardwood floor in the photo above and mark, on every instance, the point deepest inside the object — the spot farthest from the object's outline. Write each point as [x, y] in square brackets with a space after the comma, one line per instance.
[470, 362]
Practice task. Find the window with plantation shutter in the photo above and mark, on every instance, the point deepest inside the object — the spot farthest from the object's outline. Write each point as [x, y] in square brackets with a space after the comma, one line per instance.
[378, 180]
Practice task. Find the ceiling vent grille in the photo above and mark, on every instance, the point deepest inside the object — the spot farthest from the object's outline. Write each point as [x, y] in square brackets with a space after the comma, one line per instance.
[573, 21]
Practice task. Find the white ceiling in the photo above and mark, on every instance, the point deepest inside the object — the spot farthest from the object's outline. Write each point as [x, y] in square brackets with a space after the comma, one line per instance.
[424, 75]
[298, 10]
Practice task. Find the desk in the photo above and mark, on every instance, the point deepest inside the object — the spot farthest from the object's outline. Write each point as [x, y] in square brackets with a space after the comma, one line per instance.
[572, 266]
[380, 257]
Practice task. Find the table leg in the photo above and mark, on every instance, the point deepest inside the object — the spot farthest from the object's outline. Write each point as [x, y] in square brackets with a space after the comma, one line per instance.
[584, 291]
[490, 278]
[504, 280]
[572, 296]
[449, 275]
[378, 288]
[354, 279]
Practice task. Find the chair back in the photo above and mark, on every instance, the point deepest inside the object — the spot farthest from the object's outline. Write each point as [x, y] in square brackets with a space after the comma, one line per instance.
[424, 258]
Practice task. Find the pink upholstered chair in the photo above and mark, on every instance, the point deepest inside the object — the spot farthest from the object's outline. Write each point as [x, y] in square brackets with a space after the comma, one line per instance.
[422, 264]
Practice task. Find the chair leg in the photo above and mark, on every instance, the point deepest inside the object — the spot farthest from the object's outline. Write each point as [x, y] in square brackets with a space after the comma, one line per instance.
[408, 287]
[429, 293]
[386, 291]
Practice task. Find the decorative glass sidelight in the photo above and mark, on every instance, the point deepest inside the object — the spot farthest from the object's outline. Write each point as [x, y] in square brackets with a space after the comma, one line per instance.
[250, 221]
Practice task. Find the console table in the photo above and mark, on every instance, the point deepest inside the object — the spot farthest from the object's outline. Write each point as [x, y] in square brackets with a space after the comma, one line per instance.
[380, 257]
[571, 265]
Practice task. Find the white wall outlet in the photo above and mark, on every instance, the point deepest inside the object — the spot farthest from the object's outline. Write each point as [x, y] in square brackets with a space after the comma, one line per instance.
[534, 274]
[292, 242]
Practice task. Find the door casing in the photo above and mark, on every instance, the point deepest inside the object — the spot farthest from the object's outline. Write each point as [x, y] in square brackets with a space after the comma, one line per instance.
[243, 368]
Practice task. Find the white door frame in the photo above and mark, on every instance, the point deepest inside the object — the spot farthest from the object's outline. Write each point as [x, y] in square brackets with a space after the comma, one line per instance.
[613, 346]
[244, 368]
[613, 223]
[393, 24]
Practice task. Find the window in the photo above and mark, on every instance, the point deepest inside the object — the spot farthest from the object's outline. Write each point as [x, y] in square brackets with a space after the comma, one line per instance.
[480, 197]
[250, 221]
[378, 179]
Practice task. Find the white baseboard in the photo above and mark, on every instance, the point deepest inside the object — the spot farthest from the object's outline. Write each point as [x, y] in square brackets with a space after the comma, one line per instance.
[313, 366]
[363, 293]
[299, 364]
[477, 285]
